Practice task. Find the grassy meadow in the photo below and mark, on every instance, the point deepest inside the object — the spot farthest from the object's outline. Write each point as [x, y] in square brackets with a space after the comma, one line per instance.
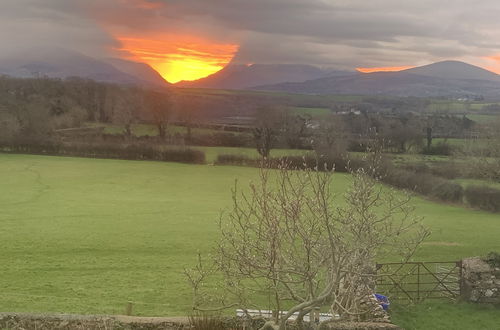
[85, 235]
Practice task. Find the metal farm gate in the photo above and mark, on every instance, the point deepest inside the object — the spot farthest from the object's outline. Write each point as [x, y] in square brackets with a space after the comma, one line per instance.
[417, 281]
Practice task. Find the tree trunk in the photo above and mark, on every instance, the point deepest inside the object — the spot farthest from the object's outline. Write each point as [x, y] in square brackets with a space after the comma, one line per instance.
[429, 137]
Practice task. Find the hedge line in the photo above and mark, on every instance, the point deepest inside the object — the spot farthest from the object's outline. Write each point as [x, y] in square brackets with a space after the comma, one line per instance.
[111, 151]
[422, 183]
[483, 197]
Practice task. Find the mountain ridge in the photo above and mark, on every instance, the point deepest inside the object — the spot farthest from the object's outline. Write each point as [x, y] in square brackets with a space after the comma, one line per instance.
[240, 76]
[64, 63]
[432, 80]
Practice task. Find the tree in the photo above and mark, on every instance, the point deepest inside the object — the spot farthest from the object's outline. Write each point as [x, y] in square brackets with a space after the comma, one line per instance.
[160, 105]
[485, 152]
[126, 106]
[294, 128]
[266, 127]
[289, 240]
[403, 134]
[189, 108]
[330, 138]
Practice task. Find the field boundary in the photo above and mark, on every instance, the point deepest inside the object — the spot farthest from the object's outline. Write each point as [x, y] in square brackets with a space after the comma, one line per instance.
[415, 282]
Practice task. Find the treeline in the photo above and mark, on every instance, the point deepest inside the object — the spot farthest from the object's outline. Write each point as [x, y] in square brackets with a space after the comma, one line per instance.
[36, 107]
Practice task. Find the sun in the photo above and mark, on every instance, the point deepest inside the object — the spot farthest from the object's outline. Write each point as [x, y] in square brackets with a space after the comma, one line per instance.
[178, 58]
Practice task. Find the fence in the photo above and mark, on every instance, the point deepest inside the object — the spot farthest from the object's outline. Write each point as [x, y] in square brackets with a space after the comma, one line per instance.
[417, 281]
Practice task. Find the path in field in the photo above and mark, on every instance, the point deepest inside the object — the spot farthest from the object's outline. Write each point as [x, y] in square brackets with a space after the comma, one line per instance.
[85, 236]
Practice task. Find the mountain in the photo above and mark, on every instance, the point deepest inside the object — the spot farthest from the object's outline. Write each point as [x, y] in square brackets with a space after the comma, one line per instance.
[141, 71]
[246, 76]
[454, 70]
[448, 78]
[63, 63]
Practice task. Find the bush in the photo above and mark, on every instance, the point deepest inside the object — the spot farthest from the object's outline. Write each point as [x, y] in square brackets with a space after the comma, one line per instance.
[207, 322]
[339, 162]
[448, 170]
[417, 167]
[493, 258]
[483, 197]
[440, 148]
[448, 191]
[419, 182]
[293, 162]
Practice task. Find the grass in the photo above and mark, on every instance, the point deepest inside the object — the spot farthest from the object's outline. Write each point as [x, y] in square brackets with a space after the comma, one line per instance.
[211, 153]
[313, 112]
[445, 316]
[87, 235]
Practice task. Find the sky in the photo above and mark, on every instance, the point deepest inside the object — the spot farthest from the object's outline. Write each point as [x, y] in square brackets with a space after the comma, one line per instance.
[189, 39]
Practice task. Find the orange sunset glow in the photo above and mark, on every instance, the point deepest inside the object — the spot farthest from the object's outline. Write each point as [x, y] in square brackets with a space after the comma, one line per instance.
[179, 58]
[384, 69]
[495, 59]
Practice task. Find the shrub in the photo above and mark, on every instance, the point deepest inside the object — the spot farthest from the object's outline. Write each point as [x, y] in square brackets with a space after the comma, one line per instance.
[493, 258]
[448, 170]
[483, 197]
[419, 182]
[417, 167]
[339, 162]
[448, 191]
[183, 156]
[440, 148]
[206, 322]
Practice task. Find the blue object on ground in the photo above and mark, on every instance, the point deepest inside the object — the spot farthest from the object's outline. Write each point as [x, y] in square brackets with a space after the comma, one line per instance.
[383, 301]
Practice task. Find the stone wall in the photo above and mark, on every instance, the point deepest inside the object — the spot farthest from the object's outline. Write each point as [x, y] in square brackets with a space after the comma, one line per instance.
[20, 321]
[480, 281]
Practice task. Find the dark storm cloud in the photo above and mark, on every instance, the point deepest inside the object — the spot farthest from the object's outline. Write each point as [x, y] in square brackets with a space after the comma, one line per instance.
[31, 24]
[342, 33]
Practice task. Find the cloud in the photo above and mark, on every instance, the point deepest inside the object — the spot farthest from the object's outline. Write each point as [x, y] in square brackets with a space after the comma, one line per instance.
[335, 33]
[29, 24]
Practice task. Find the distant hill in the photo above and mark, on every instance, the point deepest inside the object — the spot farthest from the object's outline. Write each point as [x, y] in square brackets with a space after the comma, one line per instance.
[454, 70]
[63, 63]
[449, 78]
[138, 70]
[246, 76]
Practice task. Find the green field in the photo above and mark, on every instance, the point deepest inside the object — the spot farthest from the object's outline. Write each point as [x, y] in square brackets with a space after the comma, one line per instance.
[211, 153]
[313, 112]
[87, 235]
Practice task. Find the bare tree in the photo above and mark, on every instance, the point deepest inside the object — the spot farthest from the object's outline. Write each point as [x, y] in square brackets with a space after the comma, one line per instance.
[403, 134]
[331, 138]
[189, 110]
[484, 153]
[291, 243]
[267, 124]
[295, 128]
[126, 106]
[160, 105]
